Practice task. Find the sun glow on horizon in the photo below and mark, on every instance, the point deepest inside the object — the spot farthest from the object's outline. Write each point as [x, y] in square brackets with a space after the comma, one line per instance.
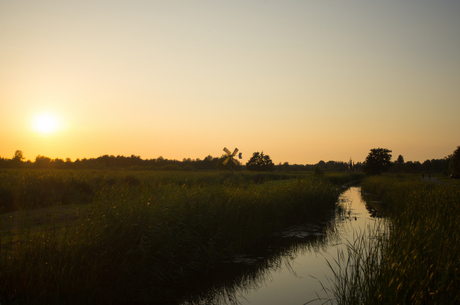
[45, 124]
[302, 81]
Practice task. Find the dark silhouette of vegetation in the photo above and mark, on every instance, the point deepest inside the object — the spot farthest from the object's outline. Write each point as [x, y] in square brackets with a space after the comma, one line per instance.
[18, 158]
[433, 166]
[260, 163]
[145, 240]
[454, 162]
[378, 161]
[228, 165]
[446, 166]
[324, 166]
[26, 189]
[318, 171]
[399, 163]
[43, 162]
[111, 162]
[417, 263]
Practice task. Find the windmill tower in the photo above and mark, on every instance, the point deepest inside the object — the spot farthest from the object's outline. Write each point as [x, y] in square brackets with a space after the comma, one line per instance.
[230, 158]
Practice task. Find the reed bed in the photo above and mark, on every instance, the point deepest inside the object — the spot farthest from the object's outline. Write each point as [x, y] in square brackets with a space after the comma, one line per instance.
[417, 262]
[142, 238]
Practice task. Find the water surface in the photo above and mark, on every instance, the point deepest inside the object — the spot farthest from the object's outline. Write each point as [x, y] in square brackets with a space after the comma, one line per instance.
[294, 268]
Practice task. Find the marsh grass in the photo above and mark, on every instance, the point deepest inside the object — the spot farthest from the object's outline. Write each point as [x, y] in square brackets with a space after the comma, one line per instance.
[28, 189]
[31, 189]
[357, 268]
[417, 263]
[142, 237]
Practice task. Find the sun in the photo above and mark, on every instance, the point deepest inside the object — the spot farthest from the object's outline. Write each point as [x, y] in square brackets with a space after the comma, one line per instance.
[45, 123]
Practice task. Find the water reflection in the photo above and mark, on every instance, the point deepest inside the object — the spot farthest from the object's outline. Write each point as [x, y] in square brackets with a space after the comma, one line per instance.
[291, 268]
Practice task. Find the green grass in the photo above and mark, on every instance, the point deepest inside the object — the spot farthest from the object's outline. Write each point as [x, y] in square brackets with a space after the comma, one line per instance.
[139, 236]
[417, 262]
[28, 189]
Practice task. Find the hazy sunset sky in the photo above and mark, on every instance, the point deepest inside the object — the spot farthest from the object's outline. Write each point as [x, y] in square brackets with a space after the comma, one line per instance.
[302, 81]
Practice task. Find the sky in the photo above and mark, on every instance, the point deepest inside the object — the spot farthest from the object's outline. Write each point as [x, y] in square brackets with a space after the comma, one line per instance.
[302, 81]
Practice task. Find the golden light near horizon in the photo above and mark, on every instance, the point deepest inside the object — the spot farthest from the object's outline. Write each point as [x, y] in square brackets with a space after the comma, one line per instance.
[306, 80]
[45, 124]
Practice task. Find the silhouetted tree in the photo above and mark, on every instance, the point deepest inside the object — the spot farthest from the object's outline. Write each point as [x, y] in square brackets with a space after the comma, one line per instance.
[336, 166]
[454, 163]
[439, 165]
[68, 163]
[412, 167]
[260, 163]
[286, 166]
[322, 165]
[42, 162]
[4, 162]
[17, 159]
[161, 161]
[400, 163]
[426, 166]
[58, 163]
[378, 161]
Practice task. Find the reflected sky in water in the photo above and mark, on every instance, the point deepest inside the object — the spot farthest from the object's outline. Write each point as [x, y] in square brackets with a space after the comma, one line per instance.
[296, 274]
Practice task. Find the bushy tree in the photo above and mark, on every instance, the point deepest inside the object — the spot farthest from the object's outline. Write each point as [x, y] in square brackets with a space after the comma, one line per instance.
[378, 161]
[260, 163]
[18, 158]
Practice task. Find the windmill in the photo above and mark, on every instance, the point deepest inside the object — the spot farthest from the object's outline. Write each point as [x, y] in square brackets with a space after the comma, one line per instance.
[230, 156]
[231, 159]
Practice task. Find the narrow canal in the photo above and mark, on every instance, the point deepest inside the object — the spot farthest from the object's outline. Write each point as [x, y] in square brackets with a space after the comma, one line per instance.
[293, 268]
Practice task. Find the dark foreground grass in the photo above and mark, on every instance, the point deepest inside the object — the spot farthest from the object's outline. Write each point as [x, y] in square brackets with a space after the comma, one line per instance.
[418, 261]
[143, 239]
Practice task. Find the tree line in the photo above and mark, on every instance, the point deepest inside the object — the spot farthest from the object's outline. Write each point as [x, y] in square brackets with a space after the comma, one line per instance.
[379, 160]
[258, 162]
[109, 161]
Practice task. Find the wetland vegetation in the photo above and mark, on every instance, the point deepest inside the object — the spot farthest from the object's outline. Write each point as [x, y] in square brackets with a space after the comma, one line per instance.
[140, 234]
[108, 237]
[416, 260]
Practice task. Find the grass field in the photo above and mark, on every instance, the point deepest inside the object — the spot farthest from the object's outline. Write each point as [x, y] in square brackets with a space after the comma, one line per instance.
[102, 237]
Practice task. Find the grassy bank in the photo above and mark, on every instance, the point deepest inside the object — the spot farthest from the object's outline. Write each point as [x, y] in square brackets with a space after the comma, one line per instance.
[28, 189]
[141, 237]
[417, 262]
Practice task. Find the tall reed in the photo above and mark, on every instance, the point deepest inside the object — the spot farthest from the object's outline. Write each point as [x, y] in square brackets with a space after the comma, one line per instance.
[357, 269]
[145, 241]
[418, 262]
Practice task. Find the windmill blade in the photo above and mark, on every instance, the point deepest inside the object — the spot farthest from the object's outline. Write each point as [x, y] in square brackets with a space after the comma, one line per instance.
[235, 161]
[226, 161]
[226, 150]
[235, 151]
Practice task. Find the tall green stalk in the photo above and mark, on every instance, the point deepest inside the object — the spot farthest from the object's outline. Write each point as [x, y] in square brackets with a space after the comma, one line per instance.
[418, 262]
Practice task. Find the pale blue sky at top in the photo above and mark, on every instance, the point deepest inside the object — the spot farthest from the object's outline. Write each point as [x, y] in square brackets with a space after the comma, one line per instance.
[302, 81]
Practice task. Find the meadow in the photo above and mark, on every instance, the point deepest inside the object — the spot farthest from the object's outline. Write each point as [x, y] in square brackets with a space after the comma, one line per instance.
[116, 237]
[415, 260]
